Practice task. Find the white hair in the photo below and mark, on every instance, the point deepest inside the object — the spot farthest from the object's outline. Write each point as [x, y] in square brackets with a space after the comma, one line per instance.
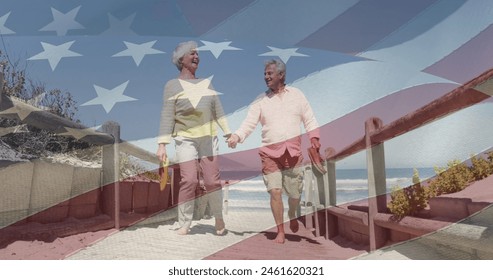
[280, 66]
[182, 49]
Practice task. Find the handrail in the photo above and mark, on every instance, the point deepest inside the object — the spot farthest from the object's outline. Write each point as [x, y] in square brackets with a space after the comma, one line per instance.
[138, 152]
[473, 92]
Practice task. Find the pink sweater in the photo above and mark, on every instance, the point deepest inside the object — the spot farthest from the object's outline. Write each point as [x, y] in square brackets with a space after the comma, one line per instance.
[281, 116]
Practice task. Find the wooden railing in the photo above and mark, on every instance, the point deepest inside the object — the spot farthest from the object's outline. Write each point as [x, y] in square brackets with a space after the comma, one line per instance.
[373, 140]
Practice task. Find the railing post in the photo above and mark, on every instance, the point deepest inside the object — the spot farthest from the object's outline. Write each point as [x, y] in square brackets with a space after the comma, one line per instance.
[331, 226]
[111, 172]
[309, 198]
[377, 185]
[330, 192]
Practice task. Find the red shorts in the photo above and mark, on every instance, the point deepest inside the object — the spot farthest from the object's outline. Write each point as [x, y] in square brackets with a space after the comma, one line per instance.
[285, 173]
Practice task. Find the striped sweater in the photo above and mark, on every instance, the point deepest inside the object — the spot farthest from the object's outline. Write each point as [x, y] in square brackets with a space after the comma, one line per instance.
[192, 109]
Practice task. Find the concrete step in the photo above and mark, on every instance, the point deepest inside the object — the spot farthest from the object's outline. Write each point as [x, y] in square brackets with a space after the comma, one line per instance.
[409, 250]
[471, 239]
[465, 203]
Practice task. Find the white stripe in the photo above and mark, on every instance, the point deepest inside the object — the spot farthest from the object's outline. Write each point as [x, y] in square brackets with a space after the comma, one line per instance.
[455, 137]
[279, 21]
[437, 42]
[337, 91]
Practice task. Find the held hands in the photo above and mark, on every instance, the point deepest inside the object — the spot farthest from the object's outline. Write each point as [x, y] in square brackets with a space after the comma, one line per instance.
[233, 140]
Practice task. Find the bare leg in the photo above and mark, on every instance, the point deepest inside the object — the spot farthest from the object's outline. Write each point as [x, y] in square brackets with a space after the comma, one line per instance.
[220, 226]
[278, 212]
[293, 206]
[183, 230]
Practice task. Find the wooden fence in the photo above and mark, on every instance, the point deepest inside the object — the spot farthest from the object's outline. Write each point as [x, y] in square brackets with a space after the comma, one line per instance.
[363, 223]
[55, 175]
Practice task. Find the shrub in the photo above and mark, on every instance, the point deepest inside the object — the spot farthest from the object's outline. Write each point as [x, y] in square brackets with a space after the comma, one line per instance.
[480, 168]
[33, 141]
[450, 180]
[407, 201]
[399, 203]
[490, 159]
[455, 177]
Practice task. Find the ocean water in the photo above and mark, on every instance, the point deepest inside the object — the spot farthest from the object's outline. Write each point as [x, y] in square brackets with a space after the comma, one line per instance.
[351, 185]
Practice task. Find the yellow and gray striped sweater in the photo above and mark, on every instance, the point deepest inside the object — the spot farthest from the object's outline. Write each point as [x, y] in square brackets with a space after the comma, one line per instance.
[191, 108]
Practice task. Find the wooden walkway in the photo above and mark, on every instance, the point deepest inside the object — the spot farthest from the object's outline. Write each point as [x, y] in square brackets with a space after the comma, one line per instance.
[249, 237]
[302, 245]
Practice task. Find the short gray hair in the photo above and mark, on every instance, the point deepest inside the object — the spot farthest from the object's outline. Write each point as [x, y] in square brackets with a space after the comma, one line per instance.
[182, 49]
[280, 66]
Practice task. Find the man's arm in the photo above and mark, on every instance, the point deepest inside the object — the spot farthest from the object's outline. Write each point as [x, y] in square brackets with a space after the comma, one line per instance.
[248, 125]
[310, 123]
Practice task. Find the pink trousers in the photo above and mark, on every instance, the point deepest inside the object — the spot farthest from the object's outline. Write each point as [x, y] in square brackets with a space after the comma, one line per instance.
[197, 159]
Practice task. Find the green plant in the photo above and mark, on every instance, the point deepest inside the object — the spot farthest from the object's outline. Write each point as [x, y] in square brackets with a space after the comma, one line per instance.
[399, 204]
[407, 201]
[480, 167]
[452, 179]
[489, 156]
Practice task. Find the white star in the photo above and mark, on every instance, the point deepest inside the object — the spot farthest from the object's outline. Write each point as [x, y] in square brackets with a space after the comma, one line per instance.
[195, 91]
[109, 97]
[217, 48]
[486, 87]
[4, 30]
[63, 22]
[283, 54]
[21, 111]
[137, 52]
[55, 53]
[120, 27]
[79, 133]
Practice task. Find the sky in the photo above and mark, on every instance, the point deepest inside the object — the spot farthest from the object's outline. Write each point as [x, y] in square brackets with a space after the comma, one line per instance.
[352, 59]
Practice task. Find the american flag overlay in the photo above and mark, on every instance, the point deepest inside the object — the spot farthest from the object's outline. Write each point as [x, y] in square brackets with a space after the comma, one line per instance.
[352, 59]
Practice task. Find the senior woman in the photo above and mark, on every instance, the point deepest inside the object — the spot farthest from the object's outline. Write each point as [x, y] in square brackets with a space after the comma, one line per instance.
[190, 115]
